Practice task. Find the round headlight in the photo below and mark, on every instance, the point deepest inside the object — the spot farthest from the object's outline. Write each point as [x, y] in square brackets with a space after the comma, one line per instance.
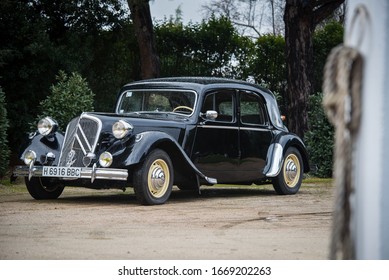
[47, 126]
[105, 159]
[121, 128]
[29, 157]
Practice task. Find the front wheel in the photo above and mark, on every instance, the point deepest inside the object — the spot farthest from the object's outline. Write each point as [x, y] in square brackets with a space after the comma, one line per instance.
[44, 188]
[288, 181]
[153, 180]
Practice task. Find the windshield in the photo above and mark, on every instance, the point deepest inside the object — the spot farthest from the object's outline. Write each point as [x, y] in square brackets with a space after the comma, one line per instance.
[155, 101]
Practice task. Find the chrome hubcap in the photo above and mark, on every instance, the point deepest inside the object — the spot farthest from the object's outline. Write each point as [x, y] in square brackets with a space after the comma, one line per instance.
[159, 177]
[291, 170]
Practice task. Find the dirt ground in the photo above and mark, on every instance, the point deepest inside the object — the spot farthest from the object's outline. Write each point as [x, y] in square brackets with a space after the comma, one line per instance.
[222, 223]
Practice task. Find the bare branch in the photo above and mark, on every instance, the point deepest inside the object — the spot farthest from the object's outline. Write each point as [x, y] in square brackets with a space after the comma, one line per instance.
[324, 8]
[247, 25]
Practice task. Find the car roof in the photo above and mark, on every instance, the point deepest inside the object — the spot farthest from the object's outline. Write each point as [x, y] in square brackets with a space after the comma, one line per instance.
[203, 85]
[194, 82]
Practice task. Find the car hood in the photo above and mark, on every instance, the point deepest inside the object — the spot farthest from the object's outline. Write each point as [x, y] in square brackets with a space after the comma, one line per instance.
[142, 123]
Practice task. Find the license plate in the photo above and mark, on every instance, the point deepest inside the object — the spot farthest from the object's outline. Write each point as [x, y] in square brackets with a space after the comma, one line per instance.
[66, 172]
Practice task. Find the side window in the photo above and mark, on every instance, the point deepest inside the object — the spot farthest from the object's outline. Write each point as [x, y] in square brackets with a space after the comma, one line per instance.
[222, 102]
[252, 109]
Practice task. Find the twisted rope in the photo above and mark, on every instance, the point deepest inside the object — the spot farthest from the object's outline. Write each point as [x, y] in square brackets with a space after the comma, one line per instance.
[342, 103]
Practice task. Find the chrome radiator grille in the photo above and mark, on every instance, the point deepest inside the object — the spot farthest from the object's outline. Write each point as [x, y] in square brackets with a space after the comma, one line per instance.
[80, 140]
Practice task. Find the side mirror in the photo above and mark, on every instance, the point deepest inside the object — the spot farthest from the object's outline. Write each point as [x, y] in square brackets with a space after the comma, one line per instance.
[210, 115]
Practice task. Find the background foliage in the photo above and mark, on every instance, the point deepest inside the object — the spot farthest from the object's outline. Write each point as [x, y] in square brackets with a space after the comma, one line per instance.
[320, 137]
[69, 97]
[325, 38]
[4, 150]
[95, 39]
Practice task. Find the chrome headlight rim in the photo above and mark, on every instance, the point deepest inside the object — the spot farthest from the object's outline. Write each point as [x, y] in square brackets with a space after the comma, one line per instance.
[29, 157]
[121, 129]
[105, 159]
[47, 126]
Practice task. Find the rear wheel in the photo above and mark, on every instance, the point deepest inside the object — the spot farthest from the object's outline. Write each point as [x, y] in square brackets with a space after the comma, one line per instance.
[288, 181]
[153, 180]
[44, 188]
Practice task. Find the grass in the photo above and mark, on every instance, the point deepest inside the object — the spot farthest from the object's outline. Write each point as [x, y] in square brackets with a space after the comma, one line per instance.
[316, 180]
[7, 188]
[18, 187]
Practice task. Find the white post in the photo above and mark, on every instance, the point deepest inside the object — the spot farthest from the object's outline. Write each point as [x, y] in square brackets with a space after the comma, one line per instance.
[367, 30]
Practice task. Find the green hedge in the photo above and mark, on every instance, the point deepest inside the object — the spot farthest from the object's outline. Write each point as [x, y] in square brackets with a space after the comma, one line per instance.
[69, 97]
[4, 149]
[320, 138]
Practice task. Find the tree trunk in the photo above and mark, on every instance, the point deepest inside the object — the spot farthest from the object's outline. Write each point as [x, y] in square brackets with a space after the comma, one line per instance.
[143, 25]
[301, 18]
[299, 58]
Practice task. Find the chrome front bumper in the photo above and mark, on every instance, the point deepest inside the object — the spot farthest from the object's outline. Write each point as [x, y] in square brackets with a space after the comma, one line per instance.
[91, 173]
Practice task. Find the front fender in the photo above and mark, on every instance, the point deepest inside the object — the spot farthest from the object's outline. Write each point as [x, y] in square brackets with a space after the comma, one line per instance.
[278, 149]
[42, 145]
[145, 142]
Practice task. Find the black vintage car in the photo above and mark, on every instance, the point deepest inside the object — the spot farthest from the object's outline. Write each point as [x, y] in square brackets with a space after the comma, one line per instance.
[186, 132]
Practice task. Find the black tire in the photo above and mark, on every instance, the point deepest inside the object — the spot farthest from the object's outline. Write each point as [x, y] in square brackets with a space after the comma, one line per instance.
[153, 180]
[44, 188]
[288, 181]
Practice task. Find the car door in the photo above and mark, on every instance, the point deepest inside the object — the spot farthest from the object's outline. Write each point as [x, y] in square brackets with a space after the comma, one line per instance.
[255, 135]
[216, 146]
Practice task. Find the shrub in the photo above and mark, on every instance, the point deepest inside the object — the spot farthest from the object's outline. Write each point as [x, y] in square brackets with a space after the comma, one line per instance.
[69, 97]
[320, 137]
[4, 149]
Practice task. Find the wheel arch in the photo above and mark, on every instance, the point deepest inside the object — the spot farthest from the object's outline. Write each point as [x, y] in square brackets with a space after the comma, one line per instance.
[182, 164]
[296, 142]
[277, 150]
[183, 170]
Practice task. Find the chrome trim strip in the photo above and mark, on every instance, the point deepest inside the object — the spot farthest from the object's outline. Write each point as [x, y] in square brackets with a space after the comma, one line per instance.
[86, 173]
[276, 160]
[82, 146]
[233, 127]
[219, 126]
[254, 129]
[85, 139]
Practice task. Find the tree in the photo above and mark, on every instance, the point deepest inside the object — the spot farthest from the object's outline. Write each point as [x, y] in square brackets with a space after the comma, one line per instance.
[324, 40]
[73, 95]
[250, 17]
[267, 64]
[242, 13]
[276, 13]
[143, 26]
[40, 37]
[210, 48]
[301, 17]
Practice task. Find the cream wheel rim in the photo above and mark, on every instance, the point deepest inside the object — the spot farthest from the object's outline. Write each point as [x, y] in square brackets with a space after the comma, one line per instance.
[158, 178]
[292, 170]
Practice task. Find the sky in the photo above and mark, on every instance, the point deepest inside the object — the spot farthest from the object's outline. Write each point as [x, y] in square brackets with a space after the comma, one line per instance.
[191, 9]
[191, 12]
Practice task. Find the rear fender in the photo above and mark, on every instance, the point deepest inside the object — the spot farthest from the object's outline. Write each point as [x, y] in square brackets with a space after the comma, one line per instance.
[277, 151]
